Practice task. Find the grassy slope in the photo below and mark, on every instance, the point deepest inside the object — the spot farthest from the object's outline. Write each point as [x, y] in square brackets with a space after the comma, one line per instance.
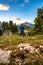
[11, 41]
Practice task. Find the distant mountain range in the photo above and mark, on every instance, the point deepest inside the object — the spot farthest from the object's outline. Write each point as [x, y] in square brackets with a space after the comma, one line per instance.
[25, 24]
[28, 24]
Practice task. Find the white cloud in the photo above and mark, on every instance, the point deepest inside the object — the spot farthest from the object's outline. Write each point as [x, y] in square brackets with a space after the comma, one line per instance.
[4, 7]
[21, 5]
[26, 0]
[13, 0]
[15, 18]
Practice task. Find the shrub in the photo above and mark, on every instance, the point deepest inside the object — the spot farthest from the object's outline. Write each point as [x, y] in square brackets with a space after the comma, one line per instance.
[0, 32]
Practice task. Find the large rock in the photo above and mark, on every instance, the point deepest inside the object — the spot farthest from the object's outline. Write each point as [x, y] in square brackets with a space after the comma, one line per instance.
[41, 48]
[4, 55]
[23, 48]
[26, 46]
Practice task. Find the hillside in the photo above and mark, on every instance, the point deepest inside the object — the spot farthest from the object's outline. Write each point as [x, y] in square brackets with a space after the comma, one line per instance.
[29, 24]
[28, 49]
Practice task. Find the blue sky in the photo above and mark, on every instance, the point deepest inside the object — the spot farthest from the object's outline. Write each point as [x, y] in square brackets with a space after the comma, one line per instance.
[19, 10]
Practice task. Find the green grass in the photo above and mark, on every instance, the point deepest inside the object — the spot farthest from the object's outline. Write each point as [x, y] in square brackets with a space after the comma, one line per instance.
[11, 41]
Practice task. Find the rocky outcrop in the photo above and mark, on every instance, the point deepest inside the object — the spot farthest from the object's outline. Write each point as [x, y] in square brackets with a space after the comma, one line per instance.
[26, 46]
[41, 48]
[21, 52]
[4, 55]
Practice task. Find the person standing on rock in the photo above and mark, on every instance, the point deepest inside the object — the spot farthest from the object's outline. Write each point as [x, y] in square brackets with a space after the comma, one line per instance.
[22, 30]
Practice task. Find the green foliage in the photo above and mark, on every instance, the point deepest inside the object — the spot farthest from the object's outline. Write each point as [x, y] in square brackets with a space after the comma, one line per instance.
[4, 26]
[0, 32]
[10, 25]
[13, 27]
[39, 21]
[10, 42]
[40, 11]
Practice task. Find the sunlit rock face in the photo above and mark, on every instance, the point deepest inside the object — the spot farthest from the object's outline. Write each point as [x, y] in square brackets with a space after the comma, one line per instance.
[22, 50]
[4, 55]
[26, 46]
[41, 48]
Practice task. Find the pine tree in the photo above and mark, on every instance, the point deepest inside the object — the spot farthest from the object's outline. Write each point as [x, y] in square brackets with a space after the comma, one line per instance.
[39, 21]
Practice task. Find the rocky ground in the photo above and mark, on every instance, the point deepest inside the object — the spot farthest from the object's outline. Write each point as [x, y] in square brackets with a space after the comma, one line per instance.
[21, 52]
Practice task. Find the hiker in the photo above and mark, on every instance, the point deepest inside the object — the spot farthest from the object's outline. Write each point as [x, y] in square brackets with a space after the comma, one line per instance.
[22, 30]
